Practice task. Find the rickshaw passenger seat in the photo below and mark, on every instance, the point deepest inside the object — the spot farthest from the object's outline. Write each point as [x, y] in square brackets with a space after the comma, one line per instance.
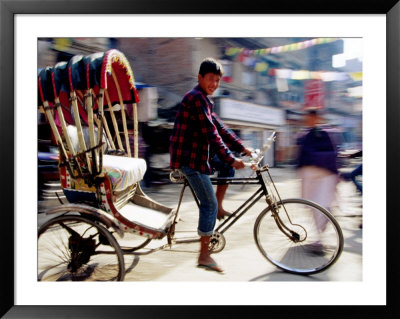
[123, 171]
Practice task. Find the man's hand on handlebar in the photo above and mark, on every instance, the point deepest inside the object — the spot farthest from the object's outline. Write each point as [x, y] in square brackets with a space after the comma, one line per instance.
[253, 166]
[238, 163]
[248, 151]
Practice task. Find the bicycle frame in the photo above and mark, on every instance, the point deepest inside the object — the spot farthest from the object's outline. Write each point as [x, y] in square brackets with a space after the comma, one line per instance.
[226, 224]
[242, 209]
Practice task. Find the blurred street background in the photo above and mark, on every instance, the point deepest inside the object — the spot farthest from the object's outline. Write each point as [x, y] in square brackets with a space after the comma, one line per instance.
[268, 83]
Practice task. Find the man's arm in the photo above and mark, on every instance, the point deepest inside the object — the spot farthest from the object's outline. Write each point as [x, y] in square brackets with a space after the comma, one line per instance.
[203, 114]
[228, 136]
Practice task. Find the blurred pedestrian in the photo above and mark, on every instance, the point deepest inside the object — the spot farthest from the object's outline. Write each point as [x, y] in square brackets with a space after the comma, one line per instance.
[317, 164]
[197, 131]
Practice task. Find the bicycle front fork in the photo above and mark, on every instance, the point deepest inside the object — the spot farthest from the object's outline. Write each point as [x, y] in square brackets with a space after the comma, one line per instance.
[293, 235]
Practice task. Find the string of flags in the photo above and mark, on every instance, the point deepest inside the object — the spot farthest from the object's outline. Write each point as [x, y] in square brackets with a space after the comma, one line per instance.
[231, 51]
[325, 76]
[251, 58]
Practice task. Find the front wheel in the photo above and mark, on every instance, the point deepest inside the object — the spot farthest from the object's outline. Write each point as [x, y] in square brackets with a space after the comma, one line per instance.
[298, 236]
[75, 248]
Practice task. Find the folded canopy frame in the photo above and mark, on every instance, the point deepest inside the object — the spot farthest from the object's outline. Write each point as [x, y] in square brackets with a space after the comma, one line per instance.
[116, 80]
[91, 79]
[47, 102]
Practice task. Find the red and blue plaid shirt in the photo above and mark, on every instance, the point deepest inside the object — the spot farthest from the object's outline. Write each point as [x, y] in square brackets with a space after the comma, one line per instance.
[197, 132]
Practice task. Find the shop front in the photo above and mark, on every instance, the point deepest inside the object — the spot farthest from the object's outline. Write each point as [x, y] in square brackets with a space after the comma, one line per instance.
[252, 122]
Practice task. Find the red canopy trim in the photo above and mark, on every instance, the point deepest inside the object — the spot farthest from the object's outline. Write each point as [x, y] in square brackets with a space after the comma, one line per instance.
[87, 76]
[70, 79]
[53, 82]
[41, 90]
[111, 57]
[115, 61]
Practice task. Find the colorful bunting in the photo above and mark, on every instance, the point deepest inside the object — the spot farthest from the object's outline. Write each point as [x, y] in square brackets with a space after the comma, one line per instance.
[356, 76]
[231, 51]
[261, 66]
[251, 58]
[325, 76]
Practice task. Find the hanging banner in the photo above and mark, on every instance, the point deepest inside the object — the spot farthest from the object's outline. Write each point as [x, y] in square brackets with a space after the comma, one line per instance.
[314, 94]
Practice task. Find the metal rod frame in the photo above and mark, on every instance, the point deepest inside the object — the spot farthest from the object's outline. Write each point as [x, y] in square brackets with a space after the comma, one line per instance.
[229, 222]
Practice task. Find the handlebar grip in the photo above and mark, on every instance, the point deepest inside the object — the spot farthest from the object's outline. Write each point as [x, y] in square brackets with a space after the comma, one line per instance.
[247, 164]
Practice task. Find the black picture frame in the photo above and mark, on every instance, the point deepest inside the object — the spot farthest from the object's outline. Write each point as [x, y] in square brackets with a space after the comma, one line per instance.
[8, 10]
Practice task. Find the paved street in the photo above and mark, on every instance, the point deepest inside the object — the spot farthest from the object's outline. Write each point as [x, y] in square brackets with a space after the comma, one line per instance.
[240, 258]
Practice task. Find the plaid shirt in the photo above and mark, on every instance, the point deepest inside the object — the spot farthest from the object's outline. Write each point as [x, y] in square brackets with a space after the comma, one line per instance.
[197, 132]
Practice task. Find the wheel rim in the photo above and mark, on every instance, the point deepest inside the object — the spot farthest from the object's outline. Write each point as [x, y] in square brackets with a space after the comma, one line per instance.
[72, 248]
[317, 248]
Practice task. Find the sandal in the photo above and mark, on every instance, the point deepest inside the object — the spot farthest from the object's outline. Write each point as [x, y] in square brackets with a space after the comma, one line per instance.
[212, 266]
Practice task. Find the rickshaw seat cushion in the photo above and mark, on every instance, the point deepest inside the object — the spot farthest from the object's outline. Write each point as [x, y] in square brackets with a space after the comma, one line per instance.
[124, 171]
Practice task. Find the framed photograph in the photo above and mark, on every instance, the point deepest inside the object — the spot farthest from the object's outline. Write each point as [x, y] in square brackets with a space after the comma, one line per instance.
[23, 23]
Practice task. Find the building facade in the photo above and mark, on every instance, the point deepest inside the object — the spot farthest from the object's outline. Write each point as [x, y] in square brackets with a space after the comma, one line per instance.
[254, 98]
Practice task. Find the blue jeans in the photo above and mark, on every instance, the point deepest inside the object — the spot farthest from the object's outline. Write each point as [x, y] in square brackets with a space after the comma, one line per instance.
[203, 189]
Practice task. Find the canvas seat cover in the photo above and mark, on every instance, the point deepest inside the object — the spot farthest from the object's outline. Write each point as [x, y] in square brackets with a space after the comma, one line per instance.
[122, 171]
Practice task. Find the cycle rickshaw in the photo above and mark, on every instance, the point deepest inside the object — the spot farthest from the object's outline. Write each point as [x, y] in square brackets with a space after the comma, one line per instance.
[86, 101]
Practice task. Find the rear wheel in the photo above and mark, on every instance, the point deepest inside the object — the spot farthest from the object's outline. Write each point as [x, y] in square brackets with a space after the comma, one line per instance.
[302, 237]
[75, 248]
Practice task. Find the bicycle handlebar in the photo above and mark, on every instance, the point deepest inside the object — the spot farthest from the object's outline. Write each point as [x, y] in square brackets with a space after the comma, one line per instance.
[258, 155]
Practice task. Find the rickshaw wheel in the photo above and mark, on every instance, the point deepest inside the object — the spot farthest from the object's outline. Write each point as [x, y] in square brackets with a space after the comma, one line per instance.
[75, 248]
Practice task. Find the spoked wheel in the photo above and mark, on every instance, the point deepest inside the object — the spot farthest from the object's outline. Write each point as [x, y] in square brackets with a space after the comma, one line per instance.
[305, 239]
[74, 248]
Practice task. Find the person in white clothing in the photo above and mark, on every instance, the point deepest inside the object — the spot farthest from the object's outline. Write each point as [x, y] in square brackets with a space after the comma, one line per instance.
[317, 164]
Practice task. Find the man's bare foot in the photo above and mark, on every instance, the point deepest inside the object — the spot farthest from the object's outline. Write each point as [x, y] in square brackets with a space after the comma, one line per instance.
[222, 214]
[208, 263]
